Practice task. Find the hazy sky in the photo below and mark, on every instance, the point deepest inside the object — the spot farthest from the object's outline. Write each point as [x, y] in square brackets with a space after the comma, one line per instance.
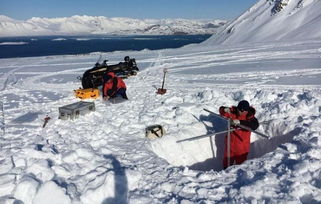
[141, 9]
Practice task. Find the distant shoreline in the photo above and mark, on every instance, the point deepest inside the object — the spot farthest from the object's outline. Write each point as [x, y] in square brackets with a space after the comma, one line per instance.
[103, 35]
[36, 46]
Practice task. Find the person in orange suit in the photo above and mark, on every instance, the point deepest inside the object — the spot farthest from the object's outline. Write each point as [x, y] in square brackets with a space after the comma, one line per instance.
[240, 138]
[113, 86]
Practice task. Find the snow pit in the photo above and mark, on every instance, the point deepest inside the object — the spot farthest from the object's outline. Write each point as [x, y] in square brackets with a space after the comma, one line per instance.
[207, 153]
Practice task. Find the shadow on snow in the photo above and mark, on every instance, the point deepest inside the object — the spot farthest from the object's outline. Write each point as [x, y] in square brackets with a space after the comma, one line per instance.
[121, 183]
[257, 148]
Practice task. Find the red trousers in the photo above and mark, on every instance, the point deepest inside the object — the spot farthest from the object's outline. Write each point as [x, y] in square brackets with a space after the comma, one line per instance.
[239, 159]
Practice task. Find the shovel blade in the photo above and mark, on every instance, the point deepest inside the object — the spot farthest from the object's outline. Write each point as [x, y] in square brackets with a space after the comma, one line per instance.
[161, 91]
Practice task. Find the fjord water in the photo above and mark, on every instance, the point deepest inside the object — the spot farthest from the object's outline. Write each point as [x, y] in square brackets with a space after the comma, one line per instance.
[61, 45]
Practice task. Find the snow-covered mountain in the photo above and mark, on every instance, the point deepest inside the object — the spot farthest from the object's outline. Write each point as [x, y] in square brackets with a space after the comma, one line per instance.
[273, 20]
[87, 25]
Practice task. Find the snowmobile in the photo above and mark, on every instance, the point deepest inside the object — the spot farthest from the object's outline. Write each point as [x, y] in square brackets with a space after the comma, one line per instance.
[92, 78]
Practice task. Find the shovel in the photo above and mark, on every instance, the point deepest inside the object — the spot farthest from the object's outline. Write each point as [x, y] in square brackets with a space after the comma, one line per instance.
[162, 90]
[46, 119]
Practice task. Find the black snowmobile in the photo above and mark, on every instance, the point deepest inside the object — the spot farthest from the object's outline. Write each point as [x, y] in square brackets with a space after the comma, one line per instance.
[92, 78]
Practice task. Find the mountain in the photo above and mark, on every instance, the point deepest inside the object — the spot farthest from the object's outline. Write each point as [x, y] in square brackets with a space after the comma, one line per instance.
[88, 25]
[273, 20]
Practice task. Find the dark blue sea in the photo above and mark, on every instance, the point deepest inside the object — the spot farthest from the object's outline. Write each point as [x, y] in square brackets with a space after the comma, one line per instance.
[62, 45]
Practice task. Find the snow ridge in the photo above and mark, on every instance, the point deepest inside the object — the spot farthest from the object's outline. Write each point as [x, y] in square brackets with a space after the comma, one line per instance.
[273, 20]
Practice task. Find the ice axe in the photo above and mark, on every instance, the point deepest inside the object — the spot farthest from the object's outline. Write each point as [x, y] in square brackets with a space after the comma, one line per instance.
[162, 90]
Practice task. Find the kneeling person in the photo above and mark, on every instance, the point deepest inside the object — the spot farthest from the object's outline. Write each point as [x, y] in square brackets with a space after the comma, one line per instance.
[113, 86]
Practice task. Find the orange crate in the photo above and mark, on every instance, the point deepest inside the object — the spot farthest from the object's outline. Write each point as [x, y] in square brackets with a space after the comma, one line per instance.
[90, 93]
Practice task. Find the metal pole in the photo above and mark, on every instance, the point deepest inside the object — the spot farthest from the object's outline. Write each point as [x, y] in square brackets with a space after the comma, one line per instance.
[3, 122]
[256, 132]
[228, 144]
[241, 126]
[215, 114]
[202, 136]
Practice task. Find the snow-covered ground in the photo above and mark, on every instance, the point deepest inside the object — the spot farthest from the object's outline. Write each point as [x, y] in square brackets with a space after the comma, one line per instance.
[104, 157]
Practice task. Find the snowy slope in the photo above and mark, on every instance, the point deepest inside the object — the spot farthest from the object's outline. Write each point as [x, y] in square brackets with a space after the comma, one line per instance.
[271, 20]
[104, 157]
[86, 25]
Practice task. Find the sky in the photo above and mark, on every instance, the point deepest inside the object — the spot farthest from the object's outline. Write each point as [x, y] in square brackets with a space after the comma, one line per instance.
[141, 9]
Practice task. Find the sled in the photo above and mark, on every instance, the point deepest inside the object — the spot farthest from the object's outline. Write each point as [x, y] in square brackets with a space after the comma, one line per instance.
[90, 93]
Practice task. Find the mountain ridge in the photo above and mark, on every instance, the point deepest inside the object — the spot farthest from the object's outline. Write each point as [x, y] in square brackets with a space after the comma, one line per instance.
[101, 25]
[273, 20]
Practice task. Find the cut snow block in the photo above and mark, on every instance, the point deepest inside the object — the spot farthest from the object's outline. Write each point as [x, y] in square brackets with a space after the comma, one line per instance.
[73, 111]
[154, 131]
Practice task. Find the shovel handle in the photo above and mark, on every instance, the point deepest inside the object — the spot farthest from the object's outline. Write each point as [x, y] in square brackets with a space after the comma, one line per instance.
[164, 70]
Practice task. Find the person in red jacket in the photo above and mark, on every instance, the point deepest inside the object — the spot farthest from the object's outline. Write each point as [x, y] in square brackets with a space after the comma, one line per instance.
[113, 86]
[240, 138]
